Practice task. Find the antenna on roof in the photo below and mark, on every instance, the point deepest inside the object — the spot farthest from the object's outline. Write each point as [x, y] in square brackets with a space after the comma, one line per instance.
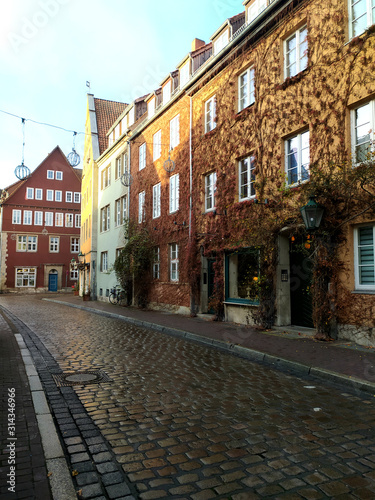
[88, 84]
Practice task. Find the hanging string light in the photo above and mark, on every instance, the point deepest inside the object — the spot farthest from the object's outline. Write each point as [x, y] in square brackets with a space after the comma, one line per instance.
[22, 172]
[73, 157]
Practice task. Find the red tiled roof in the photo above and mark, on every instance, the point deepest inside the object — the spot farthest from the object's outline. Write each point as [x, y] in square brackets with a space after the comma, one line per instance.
[107, 113]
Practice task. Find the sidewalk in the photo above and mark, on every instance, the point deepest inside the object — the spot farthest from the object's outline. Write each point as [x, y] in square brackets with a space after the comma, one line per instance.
[292, 349]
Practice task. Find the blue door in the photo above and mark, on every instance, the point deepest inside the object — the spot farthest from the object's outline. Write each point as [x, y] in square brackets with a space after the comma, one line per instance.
[52, 282]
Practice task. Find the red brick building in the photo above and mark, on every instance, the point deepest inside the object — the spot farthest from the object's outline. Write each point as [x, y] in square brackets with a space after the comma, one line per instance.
[40, 228]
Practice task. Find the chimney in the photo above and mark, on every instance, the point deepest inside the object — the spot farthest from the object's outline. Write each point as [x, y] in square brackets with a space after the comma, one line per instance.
[197, 44]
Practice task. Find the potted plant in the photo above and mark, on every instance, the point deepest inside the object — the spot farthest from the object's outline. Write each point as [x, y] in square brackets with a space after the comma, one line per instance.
[75, 288]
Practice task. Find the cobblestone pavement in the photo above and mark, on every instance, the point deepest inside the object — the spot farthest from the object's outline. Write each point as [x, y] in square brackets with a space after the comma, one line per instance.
[180, 420]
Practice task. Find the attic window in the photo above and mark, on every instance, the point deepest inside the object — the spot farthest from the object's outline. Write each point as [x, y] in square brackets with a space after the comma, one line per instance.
[255, 9]
[151, 107]
[221, 42]
[167, 92]
[131, 117]
[184, 73]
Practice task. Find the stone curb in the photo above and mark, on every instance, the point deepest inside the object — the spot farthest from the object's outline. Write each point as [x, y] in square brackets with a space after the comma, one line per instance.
[60, 479]
[244, 352]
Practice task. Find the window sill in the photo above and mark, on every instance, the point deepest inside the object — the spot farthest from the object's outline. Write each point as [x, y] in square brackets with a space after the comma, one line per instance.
[240, 302]
[364, 292]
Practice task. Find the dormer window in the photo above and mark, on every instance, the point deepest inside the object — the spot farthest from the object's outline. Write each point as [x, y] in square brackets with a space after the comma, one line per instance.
[184, 73]
[167, 90]
[131, 117]
[255, 8]
[151, 107]
[221, 42]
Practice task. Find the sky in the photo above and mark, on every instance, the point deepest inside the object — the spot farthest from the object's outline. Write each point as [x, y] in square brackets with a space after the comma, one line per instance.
[49, 49]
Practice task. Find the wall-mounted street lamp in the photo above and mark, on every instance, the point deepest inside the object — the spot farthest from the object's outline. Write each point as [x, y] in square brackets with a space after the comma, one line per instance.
[312, 214]
[169, 165]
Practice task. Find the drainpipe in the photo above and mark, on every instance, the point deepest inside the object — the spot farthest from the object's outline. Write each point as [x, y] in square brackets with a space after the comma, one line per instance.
[192, 298]
[128, 203]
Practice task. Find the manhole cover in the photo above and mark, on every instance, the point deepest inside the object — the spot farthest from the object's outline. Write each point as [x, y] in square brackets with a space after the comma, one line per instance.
[81, 378]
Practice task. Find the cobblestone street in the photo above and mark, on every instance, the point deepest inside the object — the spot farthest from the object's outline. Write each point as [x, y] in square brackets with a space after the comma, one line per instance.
[181, 420]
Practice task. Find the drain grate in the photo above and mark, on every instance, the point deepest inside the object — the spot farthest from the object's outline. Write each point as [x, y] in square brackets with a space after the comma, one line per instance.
[81, 378]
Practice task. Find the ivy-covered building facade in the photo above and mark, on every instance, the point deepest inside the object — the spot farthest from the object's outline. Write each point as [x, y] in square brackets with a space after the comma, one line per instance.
[276, 110]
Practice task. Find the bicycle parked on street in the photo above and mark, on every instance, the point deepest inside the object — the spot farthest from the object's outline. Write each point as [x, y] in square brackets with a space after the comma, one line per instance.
[117, 296]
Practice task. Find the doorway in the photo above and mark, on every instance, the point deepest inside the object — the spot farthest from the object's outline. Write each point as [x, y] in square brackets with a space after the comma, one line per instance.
[52, 280]
[300, 285]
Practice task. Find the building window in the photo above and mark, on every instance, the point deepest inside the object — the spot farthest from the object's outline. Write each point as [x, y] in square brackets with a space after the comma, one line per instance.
[38, 194]
[58, 196]
[104, 262]
[38, 218]
[77, 197]
[48, 218]
[118, 168]
[185, 73]
[74, 245]
[242, 276]
[156, 143]
[174, 132]
[105, 219]
[210, 114]
[364, 251]
[16, 216]
[141, 206]
[156, 264]
[246, 89]
[363, 122]
[151, 107]
[247, 178]
[59, 175]
[68, 197]
[296, 53]
[106, 177]
[27, 243]
[74, 274]
[362, 16]
[210, 191]
[120, 210]
[221, 42]
[50, 174]
[167, 92]
[54, 244]
[173, 262]
[49, 194]
[29, 193]
[174, 193]
[255, 9]
[297, 158]
[27, 217]
[156, 205]
[142, 156]
[68, 220]
[25, 277]
[59, 220]
[77, 220]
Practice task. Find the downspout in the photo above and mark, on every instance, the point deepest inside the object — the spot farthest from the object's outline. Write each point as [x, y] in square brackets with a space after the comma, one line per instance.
[192, 298]
[128, 202]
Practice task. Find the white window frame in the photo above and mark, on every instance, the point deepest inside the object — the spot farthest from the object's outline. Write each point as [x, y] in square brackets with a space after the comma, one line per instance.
[54, 244]
[210, 114]
[50, 174]
[301, 61]
[38, 193]
[16, 216]
[174, 193]
[256, 8]
[174, 132]
[58, 175]
[156, 264]
[28, 274]
[299, 157]
[27, 243]
[142, 156]
[141, 206]
[59, 219]
[21, 243]
[173, 262]
[156, 200]
[104, 262]
[38, 218]
[151, 107]
[50, 195]
[358, 285]
[29, 193]
[69, 220]
[246, 178]
[74, 244]
[246, 88]
[77, 220]
[48, 219]
[105, 218]
[221, 42]
[58, 196]
[77, 197]
[27, 217]
[369, 14]
[156, 145]
[69, 197]
[185, 73]
[167, 92]
[210, 191]
[118, 167]
[367, 127]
